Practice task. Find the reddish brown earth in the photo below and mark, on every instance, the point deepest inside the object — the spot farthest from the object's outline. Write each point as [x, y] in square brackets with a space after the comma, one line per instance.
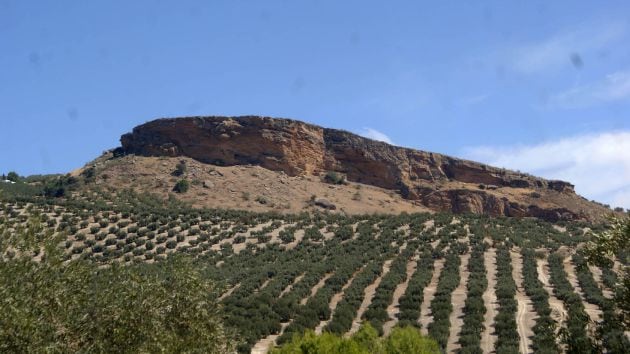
[297, 149]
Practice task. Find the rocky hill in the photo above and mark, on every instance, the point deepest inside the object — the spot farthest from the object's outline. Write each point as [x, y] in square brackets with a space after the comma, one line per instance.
[295, 148]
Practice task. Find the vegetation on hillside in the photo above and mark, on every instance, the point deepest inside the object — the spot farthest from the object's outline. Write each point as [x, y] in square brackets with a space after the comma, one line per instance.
[575, 333]
[276, 275]
[611, 331]
[334, 177]
[505, 321]
[441, 306]
[544, 340]
[608, 246]
[402, 340]
[474, 307]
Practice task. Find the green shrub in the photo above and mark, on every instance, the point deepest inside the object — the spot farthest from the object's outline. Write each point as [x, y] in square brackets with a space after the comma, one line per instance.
[182, 186]
[334, 178]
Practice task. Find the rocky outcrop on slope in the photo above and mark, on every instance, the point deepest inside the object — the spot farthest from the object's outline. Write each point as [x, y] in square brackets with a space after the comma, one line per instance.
[437, 181]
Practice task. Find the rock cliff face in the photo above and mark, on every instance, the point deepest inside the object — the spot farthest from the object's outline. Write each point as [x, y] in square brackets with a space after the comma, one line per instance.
[437, 181]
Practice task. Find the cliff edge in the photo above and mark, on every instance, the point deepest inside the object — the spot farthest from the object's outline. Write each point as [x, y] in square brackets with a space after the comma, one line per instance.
[437, 181]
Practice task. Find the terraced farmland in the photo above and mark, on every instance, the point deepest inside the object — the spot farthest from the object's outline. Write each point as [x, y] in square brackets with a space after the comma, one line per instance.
[475, 284]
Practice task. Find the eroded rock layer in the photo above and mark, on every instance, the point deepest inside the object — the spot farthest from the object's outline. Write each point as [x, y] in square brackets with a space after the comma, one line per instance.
[437, 181]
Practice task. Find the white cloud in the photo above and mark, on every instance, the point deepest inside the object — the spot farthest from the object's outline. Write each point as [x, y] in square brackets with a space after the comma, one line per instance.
[598, 164]
[375, 134]
[558, 49]
[615, 87]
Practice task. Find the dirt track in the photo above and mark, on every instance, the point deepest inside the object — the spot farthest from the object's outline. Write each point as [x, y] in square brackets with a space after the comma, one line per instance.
[597, 275]
[458, 298]
[526, 314]
[392, 309]
[263, 345]
[490, 301]
[317, 286]
[229, 292]
[290, 286]
[593, 312]
[429, 293]
[558, 312]
[334, 301]
[367, 298]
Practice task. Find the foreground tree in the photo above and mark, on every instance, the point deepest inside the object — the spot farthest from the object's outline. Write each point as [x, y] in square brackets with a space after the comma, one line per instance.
[12, 176]
[76, 306]
[607, 246]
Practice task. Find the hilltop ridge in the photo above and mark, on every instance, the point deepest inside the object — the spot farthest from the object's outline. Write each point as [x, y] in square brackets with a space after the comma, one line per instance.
[436, 181]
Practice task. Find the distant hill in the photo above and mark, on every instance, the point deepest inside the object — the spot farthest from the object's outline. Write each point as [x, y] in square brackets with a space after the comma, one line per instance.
[262, 163]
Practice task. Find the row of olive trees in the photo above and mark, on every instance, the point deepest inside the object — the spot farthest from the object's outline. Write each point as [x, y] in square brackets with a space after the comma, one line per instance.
[544, 339]
[575, 334]
[610, 330]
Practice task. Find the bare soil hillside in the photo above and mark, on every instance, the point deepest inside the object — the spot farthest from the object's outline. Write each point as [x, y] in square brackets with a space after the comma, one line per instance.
[247, 187]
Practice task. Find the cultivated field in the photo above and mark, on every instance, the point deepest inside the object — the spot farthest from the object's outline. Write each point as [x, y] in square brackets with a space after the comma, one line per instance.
[475, 284]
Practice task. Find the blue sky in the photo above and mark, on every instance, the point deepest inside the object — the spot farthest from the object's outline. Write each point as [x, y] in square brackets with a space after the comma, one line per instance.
[540, 86]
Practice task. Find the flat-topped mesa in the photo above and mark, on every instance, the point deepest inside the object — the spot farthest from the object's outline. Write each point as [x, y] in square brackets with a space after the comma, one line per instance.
[297, 148]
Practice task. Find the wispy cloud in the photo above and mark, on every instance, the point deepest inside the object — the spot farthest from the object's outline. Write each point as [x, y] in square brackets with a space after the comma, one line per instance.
[598, 164]
[615, 87]
[564, 48]
[375, 134]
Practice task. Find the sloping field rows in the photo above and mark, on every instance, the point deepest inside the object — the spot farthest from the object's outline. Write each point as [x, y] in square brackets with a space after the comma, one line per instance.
[458, 297]
[470, 334]
[394, 307]
[474, 284]
[526, 315]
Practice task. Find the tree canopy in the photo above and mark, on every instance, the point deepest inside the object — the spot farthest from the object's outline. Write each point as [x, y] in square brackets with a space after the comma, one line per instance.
[611, 244]
[77, 306]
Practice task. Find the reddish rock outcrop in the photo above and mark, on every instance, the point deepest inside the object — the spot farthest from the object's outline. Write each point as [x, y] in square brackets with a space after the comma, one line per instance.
[438, 181]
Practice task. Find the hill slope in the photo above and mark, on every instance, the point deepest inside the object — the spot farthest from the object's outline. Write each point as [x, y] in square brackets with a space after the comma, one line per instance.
[297, 149]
